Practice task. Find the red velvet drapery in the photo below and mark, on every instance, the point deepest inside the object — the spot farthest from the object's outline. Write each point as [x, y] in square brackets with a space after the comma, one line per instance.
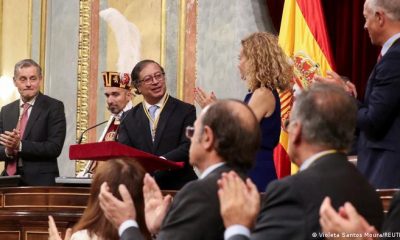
[352, 50]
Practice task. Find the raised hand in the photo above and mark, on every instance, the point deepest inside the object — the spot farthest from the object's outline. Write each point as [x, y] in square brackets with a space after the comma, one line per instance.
[202, 98]
[10, 140]
[155, 204]
[336, 79]
[239, 201]
[115, 210]
[347, 220]
[53, 231]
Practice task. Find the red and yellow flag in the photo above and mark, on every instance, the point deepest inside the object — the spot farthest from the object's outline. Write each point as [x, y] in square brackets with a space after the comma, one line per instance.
[303, 37]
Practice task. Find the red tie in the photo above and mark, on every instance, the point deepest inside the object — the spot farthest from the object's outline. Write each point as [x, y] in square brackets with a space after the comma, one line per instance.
[379, 57]
[12, 165]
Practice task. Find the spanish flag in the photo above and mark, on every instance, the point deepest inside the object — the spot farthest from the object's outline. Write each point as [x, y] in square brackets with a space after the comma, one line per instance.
[303, 37]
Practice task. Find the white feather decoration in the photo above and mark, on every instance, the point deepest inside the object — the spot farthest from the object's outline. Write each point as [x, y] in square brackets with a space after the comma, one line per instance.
[127, 36]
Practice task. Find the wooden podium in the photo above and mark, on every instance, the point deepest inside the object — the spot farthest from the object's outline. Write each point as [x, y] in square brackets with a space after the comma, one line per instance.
[24, 210]
[101, 151]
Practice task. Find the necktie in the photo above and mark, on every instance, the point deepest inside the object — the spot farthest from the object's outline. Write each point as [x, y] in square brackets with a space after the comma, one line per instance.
[12, 165]
[379, 57]
[152, 112]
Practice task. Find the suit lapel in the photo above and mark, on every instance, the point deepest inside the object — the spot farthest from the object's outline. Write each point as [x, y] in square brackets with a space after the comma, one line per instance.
[145, 122]
[13, 116]
[371, 78]
[162, 122]
[37, 108]
[370, 83]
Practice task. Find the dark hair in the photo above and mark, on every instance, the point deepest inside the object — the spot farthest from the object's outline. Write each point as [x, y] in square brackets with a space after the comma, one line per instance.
[27, 63]
[136, 71]
[327, 114]
[114, 172]
[236, 132]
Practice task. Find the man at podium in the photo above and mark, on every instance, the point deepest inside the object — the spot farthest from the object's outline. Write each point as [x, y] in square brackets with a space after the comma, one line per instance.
[157, 125]
[117, 90]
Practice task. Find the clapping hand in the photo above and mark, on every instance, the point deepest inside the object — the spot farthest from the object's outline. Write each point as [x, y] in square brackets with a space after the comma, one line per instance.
[155, 204]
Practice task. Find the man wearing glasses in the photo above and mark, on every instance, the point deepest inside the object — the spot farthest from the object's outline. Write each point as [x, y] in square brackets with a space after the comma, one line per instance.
[157, 125]
[225, 137]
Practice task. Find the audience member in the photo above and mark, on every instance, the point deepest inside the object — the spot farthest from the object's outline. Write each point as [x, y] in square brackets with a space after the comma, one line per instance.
[347, 223]
[321, 127]
[225, 137]
[93, 223]
[378, 115]
[32, 129]
[264, 67]
[157, 125]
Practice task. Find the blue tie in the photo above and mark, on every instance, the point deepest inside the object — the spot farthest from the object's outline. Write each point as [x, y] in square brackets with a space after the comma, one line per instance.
[152, 111]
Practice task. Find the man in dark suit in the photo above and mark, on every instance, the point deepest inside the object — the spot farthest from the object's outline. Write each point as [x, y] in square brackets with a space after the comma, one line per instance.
[320, 130]
[378, 115]
[157, 125]
[32, 129]
[225, 137]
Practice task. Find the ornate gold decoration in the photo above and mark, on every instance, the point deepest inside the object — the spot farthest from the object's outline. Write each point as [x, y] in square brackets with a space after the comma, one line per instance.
[83, 74]
[305, 69]
[163, 32]
[43, 26]
[181, 49]
[1, 36]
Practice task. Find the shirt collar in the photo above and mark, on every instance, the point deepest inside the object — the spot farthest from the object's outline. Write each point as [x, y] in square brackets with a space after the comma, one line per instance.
[159, 104]
[31, 102]
[210, 169]
[127, 107]
[314, 157]
[389, 43]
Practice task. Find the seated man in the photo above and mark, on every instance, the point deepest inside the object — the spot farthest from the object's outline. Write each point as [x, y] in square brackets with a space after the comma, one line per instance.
[321, 128]
[225, 137]
[157, 125]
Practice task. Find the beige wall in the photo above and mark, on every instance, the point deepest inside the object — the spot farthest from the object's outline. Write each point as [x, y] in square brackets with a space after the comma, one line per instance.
[15, 43]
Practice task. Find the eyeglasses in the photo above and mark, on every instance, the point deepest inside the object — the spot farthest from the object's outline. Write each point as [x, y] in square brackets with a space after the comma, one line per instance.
[189, 131]
[159, 76]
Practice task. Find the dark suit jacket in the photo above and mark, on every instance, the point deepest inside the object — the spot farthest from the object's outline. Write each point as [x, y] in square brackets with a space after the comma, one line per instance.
[170, 140]
[194, 213]
[43, 139]
[379, 123]
[290, 209]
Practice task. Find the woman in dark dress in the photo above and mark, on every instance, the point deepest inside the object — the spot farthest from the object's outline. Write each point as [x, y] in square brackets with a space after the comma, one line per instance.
[265, 68]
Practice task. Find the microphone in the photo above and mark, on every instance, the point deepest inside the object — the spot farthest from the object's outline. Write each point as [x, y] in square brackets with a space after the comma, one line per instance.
[81, 137]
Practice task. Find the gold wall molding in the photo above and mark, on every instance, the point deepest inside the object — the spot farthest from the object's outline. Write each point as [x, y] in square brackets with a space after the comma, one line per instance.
[181, 49]
[190, 51]
[163, 50]
[42, 41]
[1, 37]
[83, 73]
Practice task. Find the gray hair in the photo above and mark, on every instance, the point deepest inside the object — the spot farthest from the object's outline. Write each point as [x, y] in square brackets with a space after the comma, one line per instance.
[328, 116]
[27, 63]
[390, 7]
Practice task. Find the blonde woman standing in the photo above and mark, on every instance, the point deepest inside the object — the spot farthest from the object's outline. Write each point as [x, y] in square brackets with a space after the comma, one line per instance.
[265, 68]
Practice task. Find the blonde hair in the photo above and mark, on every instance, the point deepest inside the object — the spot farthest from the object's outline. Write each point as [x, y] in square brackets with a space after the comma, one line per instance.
[266, 64]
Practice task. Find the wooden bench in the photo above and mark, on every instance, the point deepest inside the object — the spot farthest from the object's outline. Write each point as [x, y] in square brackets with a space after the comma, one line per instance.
[24, 210]
[386, 196]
